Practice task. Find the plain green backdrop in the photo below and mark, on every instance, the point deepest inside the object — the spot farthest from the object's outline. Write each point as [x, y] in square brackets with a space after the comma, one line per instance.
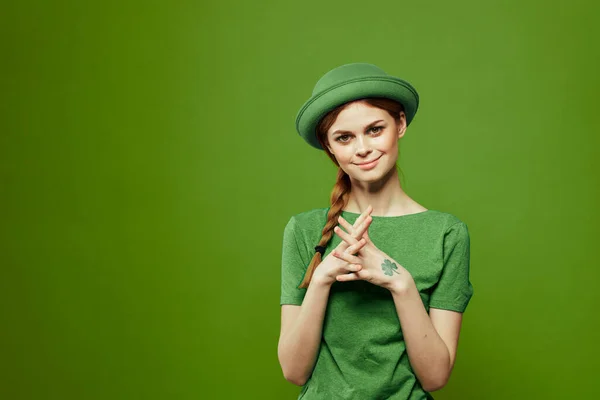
[149, 163]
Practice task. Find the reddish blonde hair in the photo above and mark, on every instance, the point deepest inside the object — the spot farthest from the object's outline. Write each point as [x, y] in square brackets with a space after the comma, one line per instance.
[341, 189]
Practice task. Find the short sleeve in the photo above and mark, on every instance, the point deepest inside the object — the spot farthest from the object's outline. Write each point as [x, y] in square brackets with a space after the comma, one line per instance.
[454, 289]
[294, 264]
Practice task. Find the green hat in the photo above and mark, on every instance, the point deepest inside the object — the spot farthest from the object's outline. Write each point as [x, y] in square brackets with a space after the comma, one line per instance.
[347, 83]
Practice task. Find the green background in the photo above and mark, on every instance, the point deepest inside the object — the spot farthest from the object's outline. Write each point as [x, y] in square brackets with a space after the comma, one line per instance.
[149, 163]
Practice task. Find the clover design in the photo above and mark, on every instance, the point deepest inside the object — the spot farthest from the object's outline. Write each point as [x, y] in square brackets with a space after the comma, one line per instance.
[389, 267]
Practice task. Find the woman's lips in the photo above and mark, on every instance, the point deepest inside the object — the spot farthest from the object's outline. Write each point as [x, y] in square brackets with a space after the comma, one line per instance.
[369, 165]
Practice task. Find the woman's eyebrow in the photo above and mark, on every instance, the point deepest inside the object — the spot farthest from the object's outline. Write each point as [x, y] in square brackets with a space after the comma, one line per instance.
[366, 127]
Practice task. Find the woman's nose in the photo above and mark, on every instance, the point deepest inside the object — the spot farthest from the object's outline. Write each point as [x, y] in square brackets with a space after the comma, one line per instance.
[362, 146]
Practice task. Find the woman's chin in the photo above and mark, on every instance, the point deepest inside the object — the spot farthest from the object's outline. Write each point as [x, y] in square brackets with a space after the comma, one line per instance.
[368, 176]
[373, 175]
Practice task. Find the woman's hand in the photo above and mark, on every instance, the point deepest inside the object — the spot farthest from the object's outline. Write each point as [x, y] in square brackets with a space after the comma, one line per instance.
[331, 266]
[378, 268]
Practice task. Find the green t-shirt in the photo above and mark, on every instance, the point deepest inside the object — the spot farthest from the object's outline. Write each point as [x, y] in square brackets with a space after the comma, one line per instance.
[362, 353]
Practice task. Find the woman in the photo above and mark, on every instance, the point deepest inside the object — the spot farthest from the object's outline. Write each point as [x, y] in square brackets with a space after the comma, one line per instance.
[374, 310]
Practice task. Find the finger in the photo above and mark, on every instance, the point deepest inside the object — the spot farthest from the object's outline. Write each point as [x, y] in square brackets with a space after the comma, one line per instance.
[367, 211]
[354, 267]
[349, 258]
[358, 220]
[362, 216]
[353, 276]
[366, 236]
[351, 249]
[356, 247]
[360, 230]
[344, 236]
[352, 230]
[346, 225]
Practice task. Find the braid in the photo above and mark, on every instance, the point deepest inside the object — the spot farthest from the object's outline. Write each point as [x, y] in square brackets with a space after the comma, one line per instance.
[339, 198]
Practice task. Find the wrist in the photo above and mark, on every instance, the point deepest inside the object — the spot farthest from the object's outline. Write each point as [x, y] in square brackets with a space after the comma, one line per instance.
[402, 286]
[322, 281]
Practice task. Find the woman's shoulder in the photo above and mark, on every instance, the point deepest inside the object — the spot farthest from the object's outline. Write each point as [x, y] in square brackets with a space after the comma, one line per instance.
[315, 217]
[446, 218]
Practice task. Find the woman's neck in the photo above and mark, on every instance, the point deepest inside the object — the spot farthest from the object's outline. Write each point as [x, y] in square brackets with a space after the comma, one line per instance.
[386, 197]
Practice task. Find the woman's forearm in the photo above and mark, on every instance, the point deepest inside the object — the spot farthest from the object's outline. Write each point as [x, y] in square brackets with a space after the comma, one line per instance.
[298, 349]
[427, 352]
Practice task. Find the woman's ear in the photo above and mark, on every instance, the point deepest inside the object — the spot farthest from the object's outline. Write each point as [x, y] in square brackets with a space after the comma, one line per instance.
[401, 125]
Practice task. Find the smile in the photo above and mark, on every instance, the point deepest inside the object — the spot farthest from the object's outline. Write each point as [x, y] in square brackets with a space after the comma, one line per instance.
[370, 164]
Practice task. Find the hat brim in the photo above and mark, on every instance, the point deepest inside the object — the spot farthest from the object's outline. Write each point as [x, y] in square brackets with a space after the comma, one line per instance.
[321, 103]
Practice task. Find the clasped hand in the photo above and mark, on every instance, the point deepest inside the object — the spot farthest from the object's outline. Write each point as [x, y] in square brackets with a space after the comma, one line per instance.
[371, 264]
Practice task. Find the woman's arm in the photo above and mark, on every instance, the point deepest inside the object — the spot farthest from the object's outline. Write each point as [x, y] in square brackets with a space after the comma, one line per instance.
[299, 346]
[428, 354]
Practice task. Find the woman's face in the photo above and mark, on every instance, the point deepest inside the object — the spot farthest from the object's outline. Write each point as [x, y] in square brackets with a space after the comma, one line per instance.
[362, 133]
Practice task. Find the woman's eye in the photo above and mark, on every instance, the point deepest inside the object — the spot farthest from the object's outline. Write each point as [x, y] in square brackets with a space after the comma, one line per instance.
[375, 129]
